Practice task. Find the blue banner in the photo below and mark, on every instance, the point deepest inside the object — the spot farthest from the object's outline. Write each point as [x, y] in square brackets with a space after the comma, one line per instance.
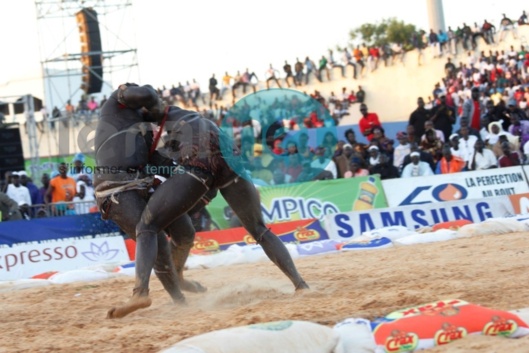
[37, 230]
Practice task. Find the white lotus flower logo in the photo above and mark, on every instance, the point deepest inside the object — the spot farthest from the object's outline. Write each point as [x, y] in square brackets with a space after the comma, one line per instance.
[100, 253]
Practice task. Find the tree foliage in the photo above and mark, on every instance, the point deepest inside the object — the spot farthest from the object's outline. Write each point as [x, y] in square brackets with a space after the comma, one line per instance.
[385, 32]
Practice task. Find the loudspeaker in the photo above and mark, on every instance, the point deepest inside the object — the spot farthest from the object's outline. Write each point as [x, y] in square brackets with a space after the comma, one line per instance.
[4, 108]
[91, 51]
[11, 152]
[19, 105]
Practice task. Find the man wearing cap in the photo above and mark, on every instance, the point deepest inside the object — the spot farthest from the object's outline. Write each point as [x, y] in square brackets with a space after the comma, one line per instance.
[19, 193]
[416, 167]
[368, 122]
[78, 166]
[423, 156]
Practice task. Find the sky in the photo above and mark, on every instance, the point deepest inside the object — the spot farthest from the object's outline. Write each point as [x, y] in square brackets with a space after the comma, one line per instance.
[182, 40]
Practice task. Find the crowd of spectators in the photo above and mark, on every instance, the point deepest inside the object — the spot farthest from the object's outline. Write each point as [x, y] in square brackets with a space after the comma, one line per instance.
[68, 191]
[361, 59]
[485, 94]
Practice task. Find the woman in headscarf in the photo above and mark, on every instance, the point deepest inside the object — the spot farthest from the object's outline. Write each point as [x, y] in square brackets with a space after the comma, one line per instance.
[497, 135]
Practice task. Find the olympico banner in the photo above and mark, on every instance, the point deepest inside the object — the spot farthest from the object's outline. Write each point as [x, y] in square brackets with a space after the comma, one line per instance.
[25, 261]
[313, 199]
[454, 187]
[344, 226]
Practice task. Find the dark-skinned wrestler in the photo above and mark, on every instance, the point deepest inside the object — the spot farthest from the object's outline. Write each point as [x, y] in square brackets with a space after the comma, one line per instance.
[122, 149]
[196, 145]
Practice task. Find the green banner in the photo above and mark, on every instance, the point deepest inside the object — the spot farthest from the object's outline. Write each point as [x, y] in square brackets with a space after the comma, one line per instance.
[307, 200]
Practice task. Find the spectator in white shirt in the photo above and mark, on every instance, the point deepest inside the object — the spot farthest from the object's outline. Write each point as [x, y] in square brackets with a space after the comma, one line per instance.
[402, 150]
[323, 162]
[482, 158]
[416, 167]
[19, 193]
[454, 146]
[466, 143]
[428, 125]
[471, 59]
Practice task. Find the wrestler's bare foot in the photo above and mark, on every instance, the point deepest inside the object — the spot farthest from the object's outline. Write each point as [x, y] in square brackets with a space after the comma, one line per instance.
[301, 286]
[191, 286]
[140, 300]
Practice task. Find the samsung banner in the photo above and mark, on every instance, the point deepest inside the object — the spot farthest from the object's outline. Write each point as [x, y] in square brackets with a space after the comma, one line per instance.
[458, 186]
[24, 261]
[344, 226]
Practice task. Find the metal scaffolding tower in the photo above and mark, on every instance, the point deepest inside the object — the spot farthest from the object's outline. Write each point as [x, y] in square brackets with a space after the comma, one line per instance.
[62, 52]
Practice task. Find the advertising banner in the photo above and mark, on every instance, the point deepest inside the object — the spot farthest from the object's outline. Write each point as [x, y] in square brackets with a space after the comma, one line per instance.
[24, 261]
[520, 203]
[344, 226]
[454, 187]
[41, 229]
[297, 232]
[313, 199]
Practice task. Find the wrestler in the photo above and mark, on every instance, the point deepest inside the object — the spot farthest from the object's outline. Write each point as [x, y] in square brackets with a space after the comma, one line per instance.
[210, 161]
[122, 149]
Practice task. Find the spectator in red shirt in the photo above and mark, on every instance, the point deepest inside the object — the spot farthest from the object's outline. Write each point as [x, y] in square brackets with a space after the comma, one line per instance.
[508, 159]
[374, 57]
[312, 121]
[368, 122]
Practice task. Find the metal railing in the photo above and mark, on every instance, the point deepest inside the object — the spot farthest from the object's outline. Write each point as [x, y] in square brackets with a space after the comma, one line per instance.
[59, 209]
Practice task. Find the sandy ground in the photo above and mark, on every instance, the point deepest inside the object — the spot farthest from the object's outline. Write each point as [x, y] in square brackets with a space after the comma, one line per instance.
[491, 271]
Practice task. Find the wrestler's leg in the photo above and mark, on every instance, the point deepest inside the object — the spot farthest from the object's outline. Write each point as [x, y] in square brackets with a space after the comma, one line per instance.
[126, 214]
[170, 200]
[165, 269]
[244, 200]
[182, 235]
